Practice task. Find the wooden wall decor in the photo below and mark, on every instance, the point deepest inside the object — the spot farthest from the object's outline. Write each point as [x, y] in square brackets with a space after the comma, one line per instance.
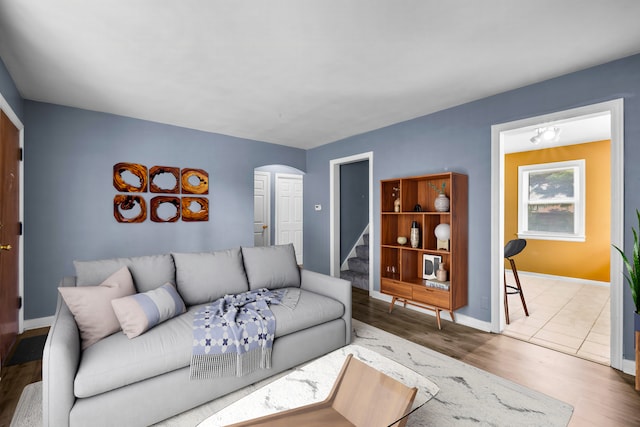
[140, 171]
[126, 202]
[187, 181]
[157, 201]
[203, 181]
[156, 171]
[189, 215]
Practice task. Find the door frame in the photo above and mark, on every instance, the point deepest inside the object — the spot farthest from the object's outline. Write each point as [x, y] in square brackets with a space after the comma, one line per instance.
[4, 106]
[334, 215]
[616, 109]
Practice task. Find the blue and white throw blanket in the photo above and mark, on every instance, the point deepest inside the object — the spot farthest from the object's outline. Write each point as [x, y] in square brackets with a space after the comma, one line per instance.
[233, 336]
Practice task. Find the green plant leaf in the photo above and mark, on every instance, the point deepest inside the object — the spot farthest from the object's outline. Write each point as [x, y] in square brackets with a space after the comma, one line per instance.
[633, 269]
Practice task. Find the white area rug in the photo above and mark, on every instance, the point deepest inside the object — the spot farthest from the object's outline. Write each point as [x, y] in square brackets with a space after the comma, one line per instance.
[468, 396]
[29, 410]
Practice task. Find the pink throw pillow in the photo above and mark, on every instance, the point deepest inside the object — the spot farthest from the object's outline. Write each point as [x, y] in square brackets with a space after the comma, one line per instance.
[91, 305]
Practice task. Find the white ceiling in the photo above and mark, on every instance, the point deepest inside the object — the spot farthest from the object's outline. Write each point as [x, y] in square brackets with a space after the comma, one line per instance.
[300, 73]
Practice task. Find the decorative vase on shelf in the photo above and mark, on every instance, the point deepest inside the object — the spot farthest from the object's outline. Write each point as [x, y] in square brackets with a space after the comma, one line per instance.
[442, 203]
[396, 205]
[441, 273]
[414, 237]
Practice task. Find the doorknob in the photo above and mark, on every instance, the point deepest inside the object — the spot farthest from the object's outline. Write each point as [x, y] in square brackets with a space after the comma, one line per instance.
[264, 227]
[5, 247]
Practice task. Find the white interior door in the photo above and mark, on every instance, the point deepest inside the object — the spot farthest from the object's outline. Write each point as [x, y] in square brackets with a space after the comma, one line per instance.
[261, 208]
[289, 212]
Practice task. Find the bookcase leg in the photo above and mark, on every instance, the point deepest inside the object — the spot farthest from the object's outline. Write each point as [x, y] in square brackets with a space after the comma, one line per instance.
[438, 318]
[393, 302]
[453, 319]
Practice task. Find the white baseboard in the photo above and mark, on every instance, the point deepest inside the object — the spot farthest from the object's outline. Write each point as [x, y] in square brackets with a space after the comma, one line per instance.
[562, 278]
[629, 367]
[460, 318]
[41, 322]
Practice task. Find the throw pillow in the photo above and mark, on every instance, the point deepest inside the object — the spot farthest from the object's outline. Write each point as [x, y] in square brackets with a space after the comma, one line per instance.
[140, 312]
[91, 305]
[205, 277]
[271, 267]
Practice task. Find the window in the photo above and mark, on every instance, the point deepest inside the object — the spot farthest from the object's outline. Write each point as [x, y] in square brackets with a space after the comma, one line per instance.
[551, 201]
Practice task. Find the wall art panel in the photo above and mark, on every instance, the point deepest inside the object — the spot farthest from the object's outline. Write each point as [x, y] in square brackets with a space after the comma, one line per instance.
[129, 202]
[132, 171]
[156, 175]
[195, 181]
[158, 202]
[195, 209]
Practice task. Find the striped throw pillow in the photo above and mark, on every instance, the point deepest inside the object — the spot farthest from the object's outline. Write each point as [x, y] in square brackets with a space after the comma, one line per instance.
[140, 312]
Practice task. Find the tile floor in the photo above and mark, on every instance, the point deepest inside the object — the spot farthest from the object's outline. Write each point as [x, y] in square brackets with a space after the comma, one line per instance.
[570, 317]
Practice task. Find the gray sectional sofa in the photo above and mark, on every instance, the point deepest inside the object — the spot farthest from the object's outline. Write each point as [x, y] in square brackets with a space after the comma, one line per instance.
[140, 381]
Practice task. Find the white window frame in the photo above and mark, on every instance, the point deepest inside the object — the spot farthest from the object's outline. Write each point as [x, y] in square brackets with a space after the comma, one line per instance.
[578, 200]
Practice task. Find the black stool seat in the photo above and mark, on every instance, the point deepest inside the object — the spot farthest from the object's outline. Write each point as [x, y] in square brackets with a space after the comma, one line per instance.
[511, 249]
[514, 247]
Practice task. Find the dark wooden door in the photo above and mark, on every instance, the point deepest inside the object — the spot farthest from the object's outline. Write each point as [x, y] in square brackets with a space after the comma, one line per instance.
[9, 232]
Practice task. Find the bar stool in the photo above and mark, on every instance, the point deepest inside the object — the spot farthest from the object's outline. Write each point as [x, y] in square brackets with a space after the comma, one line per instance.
[511, 249]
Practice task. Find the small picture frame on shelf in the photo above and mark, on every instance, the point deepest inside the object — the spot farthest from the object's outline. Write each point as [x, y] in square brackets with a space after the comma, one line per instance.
[430, 264]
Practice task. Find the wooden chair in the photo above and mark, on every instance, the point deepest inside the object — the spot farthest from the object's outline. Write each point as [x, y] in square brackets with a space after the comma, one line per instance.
[511, 249]
[361, 396]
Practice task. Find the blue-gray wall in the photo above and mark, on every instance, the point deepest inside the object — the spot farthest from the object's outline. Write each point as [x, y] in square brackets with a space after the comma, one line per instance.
[10, 92]
[459, 139]
[354, 204]
[69, 158]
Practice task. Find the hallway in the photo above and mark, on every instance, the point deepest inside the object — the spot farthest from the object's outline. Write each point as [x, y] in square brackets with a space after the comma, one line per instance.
[571, 317]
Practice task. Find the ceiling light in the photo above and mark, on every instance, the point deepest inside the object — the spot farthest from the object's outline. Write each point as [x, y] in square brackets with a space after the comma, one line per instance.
[546, 134]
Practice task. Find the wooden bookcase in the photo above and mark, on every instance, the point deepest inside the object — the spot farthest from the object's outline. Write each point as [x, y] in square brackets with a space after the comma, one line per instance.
[406, 284]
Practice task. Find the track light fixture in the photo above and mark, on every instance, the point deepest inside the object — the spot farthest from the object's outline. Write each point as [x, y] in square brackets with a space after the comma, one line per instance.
[546, 134]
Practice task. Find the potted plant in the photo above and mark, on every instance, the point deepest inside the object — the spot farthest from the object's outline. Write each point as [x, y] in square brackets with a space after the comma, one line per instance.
[439, 190]
[442, 201]
[633, 278]
[633, 270]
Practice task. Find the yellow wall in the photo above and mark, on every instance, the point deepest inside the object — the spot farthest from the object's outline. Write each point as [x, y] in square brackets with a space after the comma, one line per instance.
[588, 259]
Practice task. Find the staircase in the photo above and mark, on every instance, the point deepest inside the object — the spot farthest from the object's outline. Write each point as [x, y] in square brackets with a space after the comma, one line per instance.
[358, 271]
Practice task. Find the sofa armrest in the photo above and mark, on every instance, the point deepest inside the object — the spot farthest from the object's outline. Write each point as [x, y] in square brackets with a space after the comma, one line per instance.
[333, 287]
[60, 361]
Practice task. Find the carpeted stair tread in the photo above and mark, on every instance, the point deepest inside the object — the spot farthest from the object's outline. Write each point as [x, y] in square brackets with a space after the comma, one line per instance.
[358, 272]
[359, 265]
[362, 251]
[365, 237]
[359, 280]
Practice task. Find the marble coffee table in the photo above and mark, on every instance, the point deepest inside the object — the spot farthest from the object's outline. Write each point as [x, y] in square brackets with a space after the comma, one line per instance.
[312, 383]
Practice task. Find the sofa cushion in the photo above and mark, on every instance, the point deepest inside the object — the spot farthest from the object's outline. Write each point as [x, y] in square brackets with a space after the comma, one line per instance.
[148, 272]
[117, 361]
[140, 312]
[271, 267]
[311, 309]
[91, 305]
[205, 277]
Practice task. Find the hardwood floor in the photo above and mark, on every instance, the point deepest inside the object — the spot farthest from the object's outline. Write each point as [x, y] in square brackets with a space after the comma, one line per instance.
[601, 396]
[16, 377]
